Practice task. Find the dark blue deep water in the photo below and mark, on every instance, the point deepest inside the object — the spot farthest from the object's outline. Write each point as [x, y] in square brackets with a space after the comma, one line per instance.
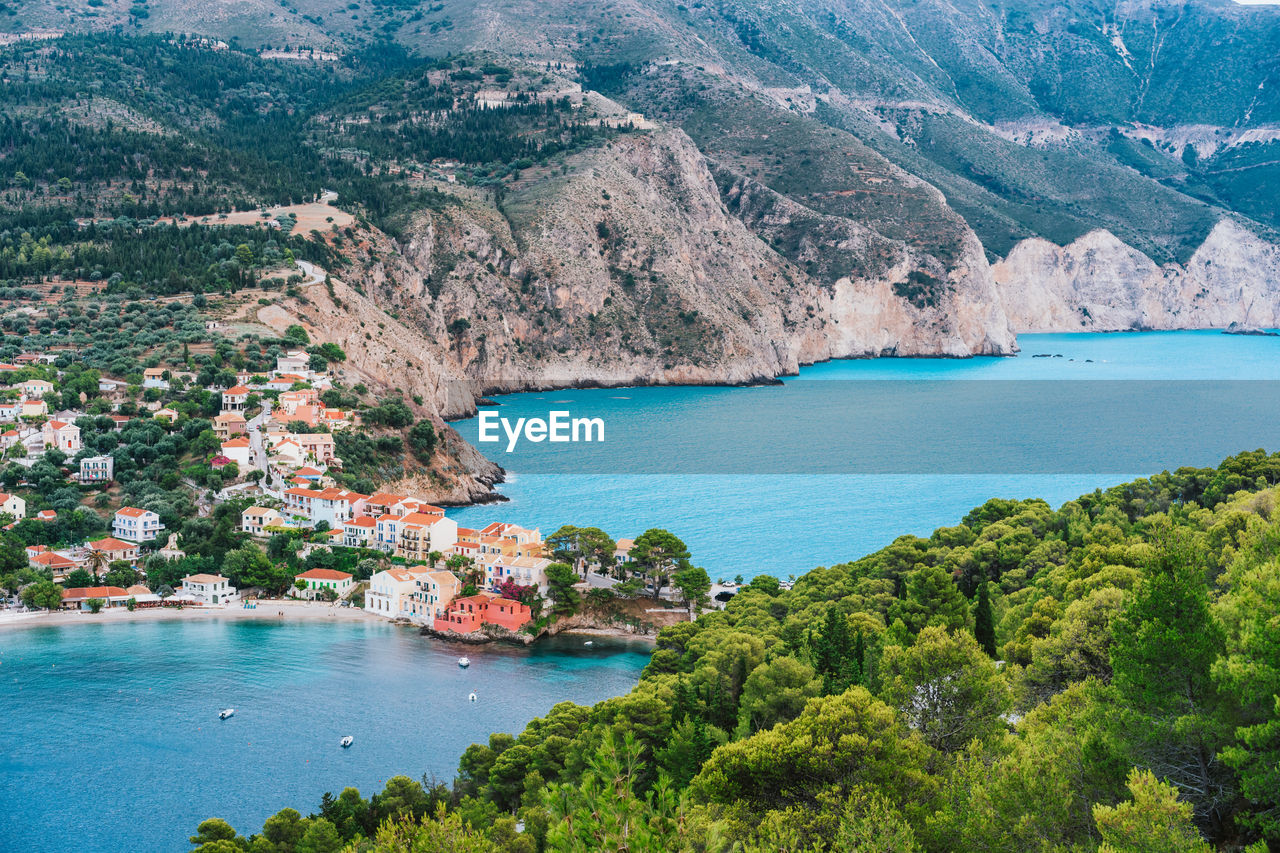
[110, 741]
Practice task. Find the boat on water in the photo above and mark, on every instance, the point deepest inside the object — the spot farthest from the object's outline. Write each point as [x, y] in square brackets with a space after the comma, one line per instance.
[226, 712]
[472, 697]
[464, 662]
[589, 643]
[347, 741]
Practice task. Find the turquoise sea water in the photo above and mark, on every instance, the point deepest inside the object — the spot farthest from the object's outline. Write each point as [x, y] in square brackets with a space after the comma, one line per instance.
[111, 741]
[1018, 427]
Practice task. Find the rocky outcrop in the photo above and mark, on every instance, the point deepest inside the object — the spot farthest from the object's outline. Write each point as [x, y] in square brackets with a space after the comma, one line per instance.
[1099, 283]
[633, 266]
[385, 353]
[874, 295]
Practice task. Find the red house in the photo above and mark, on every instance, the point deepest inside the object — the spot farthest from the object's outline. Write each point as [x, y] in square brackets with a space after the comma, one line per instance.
[468, 614]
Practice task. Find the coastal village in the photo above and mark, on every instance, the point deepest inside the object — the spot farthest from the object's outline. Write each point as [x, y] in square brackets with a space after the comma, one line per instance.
[273, 452]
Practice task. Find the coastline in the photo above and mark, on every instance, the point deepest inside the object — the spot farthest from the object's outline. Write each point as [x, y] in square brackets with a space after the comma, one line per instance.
[293, 611]
[616, 633]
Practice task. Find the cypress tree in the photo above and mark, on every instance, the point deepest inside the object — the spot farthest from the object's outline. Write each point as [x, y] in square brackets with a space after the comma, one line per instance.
[984, 624]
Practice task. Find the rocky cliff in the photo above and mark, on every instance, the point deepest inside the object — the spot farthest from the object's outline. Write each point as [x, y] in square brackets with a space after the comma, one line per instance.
[1098, 283]
[633, 265]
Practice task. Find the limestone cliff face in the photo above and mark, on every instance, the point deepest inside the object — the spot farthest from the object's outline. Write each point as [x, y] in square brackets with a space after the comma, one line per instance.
[1098, 283]
[881, 297]
[635, 265]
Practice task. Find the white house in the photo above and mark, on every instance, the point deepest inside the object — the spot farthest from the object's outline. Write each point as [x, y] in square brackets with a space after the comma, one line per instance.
[525, 571]
[34, 389]
[115, 549]
[289, 452]
[420, 534]
[238, 450]
[132, 524]
[207, 589]
[358, 532]
[294, 361]
[97, 469]
[62, 435]
[319, 580]
[13, 505]
[390, 593]
[256, 519]
[332, 505]
[153, 377]
[235, 399]
[386, 535]
[435, 592]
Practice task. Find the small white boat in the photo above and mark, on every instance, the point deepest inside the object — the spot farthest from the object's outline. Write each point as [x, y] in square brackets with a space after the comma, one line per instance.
[589, 643]
[464, 662]
[472, 697]
[226, 712]
[347, 741]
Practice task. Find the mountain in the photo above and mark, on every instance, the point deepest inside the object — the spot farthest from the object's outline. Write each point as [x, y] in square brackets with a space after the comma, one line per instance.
[567, 192]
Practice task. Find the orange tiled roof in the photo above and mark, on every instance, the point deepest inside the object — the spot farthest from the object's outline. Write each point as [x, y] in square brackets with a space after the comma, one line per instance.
[325, 575]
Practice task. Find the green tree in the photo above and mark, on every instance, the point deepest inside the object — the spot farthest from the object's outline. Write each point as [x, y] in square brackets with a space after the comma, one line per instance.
[775, 692]
[694, 584]
[447, 832]
[1250, 671]
[984, 623]
[97, 561]
[45, 594]
[658, 554]
[423, 440]
[691, 743]
[320, 836]
[837, 653]
[933, 599]
[1154, 822]
[837, 745]
[582, 546]
[284, 829]
[604, 812]
[560, 586]
[946, 687]
[213, 830]
[1166, 643]
[80, 578]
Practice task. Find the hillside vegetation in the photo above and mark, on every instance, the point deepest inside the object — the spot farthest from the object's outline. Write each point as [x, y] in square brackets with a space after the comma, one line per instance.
[1104, 676]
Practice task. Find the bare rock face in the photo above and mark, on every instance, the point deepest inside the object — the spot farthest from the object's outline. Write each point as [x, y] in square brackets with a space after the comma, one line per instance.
[873, 295]
[1099, 283]
[634, 266]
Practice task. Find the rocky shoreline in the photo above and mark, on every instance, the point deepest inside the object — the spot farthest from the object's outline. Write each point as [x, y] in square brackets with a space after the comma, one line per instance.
[576, 624]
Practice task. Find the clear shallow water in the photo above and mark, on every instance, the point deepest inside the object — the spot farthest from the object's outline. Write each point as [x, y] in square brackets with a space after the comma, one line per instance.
[787, 519]
[111, 742]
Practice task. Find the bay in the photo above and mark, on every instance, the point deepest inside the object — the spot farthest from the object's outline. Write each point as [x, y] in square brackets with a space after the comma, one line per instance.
[111, 739]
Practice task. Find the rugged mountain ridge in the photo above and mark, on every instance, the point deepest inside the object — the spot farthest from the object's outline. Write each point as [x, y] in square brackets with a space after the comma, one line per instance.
[1098, 283]
[910, 177]
[631, 268]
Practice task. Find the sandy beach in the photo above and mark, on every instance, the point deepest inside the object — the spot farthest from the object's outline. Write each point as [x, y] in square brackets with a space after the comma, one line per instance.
[309, 611]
